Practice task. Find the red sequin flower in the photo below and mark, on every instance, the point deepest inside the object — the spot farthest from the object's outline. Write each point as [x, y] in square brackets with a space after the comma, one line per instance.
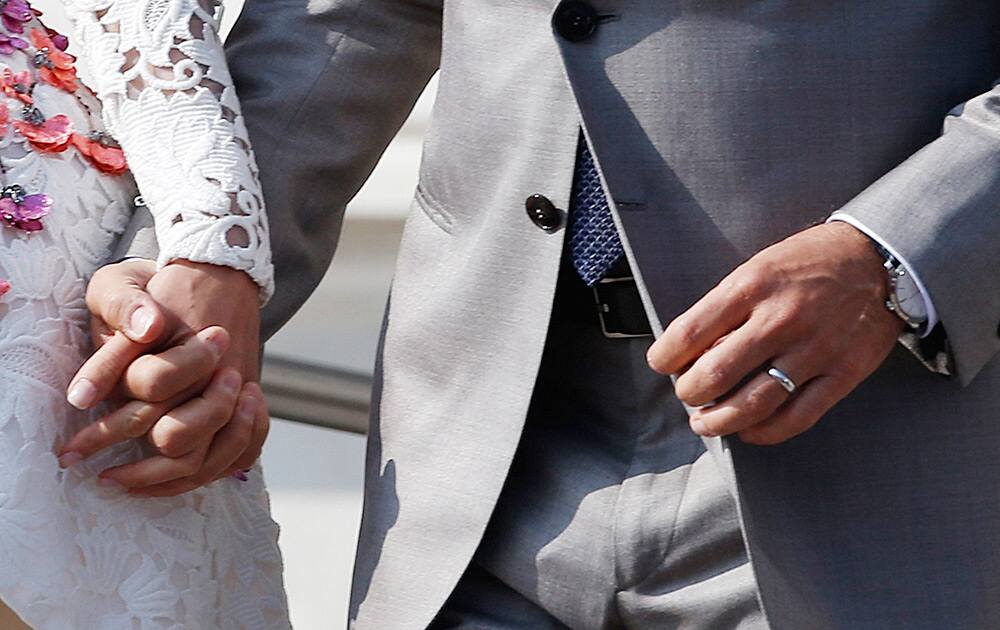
[23, 211]
[4, 287]
[18, 85]
[52, 135]
[55, 67]
[102, 151]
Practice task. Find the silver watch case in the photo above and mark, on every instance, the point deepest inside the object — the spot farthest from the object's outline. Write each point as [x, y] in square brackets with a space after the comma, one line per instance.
[896, 273]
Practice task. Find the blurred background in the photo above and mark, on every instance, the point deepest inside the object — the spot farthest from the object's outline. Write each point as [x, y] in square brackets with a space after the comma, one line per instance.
[315, 474]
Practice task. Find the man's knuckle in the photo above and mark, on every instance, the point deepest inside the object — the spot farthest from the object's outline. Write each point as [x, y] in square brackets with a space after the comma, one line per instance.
[684, 389]
[757, 401]
[717, 424]
[685, 331]
[146, 388]
[827, 349]
[218, 413]
[243, 434]
[134, 423]
[174, 443]
[714, 375]
[748, 285]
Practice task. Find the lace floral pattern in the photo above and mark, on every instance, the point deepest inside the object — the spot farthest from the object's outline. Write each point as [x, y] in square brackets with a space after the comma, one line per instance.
[168, 97]
[74, 554]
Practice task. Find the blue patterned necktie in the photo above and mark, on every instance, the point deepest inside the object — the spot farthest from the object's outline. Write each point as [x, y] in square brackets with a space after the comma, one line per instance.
[593, 238]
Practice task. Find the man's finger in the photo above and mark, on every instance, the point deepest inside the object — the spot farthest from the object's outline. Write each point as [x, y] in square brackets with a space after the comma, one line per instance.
[802, 411]
[99, 375]
[261, 427]
[720, 311]
[228, 445]
[117, 295]
[153, 470]
[157, 377]
[195, 423]
[722, 367]
[755, 402]
[130, 422]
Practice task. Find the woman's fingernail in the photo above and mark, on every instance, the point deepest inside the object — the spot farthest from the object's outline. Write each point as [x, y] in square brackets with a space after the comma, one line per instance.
[82, 395]
[141, 321]
[68, 460]
[111, 484]
[699, 427]
[231, 382]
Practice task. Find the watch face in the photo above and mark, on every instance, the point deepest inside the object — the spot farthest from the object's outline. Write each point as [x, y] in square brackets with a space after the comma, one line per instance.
[908, 297]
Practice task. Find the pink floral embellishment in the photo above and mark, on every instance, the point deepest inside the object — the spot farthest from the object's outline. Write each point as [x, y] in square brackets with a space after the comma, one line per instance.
[22, 211]
[102, 151]
[14, 14]
[52, 135]
[55, 67]
[4, 118]
[4, 287]
[18, 85]
[10, 43]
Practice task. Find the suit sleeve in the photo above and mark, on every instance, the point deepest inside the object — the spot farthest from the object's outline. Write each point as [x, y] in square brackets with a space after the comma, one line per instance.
[324, 86]
[941, 211]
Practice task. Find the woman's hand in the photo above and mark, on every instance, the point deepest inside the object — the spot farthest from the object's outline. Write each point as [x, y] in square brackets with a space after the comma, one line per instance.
[178, 346]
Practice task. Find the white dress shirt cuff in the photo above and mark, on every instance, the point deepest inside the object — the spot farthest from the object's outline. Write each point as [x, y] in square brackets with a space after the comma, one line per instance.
[928, 303]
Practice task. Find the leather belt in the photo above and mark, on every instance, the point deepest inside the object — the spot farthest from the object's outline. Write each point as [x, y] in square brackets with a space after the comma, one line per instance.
[619, 306]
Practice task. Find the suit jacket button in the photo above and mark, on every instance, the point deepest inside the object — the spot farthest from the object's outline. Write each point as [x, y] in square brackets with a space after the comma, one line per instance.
[543, 213]
[575, 20]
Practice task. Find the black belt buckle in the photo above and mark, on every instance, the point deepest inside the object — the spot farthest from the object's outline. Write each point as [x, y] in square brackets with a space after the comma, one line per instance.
[620, 308]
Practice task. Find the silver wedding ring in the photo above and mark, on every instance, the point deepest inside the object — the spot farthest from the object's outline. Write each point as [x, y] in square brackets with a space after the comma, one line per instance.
[782, 379]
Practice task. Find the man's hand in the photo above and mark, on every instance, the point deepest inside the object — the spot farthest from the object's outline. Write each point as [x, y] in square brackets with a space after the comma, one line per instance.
[812, 306]
[199, 318]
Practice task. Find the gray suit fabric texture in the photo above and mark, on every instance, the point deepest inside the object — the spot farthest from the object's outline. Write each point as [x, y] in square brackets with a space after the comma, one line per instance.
[614, 514]
[718, 127]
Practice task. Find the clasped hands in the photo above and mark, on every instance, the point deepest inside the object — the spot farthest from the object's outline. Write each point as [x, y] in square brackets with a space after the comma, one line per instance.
[172, 350]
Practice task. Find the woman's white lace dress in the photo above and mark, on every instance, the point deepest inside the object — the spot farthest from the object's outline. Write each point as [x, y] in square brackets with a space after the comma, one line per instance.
[74, 554]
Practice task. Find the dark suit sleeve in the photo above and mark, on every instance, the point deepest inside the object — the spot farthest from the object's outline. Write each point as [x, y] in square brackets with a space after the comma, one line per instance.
[941, 210]
[325, 85]
[139, 238]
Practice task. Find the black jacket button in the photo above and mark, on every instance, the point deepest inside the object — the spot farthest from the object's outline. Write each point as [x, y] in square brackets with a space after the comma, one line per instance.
[543, 213]
[575, 20]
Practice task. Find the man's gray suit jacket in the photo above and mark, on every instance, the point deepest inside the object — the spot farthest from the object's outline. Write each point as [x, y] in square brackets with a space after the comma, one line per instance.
[720, 127]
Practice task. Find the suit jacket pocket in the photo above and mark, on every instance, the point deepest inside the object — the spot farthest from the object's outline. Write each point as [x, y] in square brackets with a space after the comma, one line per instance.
[434, 210]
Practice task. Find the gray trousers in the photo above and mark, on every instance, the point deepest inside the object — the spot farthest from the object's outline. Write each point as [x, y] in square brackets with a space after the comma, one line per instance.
[613, 515]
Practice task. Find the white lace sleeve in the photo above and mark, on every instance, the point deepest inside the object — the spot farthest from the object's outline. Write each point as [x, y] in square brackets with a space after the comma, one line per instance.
[169, 100]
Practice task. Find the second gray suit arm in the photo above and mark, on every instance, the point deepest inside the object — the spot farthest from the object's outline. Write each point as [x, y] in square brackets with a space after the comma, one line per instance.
[940, 209]
[325, 85]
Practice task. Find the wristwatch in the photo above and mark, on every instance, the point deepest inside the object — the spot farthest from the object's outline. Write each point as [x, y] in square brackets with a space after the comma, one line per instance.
[905, 299]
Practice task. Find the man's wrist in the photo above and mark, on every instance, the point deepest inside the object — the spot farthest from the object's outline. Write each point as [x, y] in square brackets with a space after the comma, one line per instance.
[920, 306]
[234, 279]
